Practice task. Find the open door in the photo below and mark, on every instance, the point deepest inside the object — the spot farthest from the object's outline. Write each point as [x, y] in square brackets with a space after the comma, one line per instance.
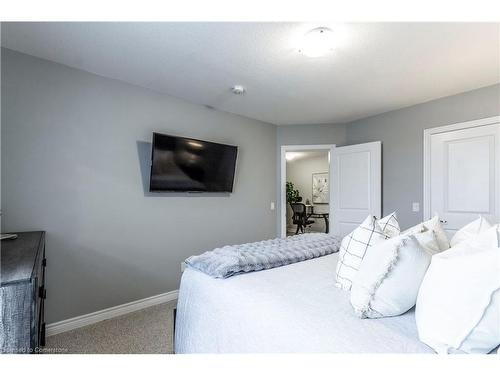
[356, 185]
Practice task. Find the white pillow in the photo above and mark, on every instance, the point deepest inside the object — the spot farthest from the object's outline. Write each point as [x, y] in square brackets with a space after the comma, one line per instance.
[485, 240]
[458, 305]
[390, 225]
[470, 231]
[388, 280]
[353, 248]
[435, 225]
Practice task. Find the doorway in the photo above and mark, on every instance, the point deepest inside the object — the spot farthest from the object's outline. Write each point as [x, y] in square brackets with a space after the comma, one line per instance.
[305, 184]
[354, 183]
[307, 189]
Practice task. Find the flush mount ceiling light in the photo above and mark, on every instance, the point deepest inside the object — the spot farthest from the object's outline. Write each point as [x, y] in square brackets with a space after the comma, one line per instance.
[317, 42]
[289, 156]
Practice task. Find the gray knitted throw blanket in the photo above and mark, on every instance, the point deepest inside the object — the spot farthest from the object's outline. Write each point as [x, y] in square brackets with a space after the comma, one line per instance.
[231, 260]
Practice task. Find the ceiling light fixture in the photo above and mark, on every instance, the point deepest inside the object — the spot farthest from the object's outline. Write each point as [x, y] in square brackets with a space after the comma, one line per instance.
[317, 42]
[289, 156]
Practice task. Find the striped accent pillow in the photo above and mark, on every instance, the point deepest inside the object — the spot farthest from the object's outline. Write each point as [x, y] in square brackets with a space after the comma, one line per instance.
[353, 249]
[390, 225]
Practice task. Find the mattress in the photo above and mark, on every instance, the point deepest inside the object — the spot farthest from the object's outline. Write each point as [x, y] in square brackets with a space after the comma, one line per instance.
[290, 309]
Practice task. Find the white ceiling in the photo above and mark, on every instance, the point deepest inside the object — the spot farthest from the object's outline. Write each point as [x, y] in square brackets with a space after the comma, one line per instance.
[377, 67]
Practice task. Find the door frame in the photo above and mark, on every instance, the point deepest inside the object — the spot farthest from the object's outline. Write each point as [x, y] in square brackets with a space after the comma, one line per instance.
[428, 133]
[282, 198]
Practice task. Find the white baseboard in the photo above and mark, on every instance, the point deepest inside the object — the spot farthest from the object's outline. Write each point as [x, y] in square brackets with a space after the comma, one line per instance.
[112, 312]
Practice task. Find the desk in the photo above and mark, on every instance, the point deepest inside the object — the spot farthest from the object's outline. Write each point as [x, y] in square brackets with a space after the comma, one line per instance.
[326, 216]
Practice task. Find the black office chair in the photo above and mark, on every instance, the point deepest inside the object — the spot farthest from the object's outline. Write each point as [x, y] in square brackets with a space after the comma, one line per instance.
[300, 217]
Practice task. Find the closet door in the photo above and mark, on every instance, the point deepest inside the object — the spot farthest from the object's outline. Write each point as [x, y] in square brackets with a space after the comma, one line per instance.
[357, 185]
[463, 167]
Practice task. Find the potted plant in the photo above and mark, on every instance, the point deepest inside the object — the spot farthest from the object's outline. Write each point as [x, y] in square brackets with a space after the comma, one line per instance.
[292, 194]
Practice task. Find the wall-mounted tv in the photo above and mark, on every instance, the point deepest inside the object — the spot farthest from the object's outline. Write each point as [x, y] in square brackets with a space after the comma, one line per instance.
[185, 164]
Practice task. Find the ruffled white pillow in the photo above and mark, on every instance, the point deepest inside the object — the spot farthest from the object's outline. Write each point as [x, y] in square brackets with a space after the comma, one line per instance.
[458, 305]
[470, 231]
[390, 275]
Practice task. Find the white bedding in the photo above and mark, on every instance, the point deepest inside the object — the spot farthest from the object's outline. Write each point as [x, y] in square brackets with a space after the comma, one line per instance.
[295, 308]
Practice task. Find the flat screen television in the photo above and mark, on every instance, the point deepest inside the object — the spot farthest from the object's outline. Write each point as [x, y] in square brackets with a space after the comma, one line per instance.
[185, 164]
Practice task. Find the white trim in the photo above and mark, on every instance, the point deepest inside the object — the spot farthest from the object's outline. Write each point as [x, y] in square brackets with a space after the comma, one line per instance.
[112, 312]
[284, 149]
[427, 152]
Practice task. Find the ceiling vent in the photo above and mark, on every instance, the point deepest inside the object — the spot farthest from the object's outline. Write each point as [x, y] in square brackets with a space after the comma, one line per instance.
[238, 89]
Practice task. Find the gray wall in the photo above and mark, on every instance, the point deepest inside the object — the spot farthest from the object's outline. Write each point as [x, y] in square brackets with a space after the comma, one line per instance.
[311, 134]
[75, 159]
[402, 133]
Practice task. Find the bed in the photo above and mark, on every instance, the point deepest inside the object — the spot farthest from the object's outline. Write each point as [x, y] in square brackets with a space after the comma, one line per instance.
[294, 308]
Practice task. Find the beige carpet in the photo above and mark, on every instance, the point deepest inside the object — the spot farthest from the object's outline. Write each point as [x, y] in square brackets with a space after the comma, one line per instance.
[145, 331]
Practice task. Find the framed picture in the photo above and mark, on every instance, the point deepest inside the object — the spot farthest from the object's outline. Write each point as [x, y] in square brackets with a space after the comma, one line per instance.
[320, 188]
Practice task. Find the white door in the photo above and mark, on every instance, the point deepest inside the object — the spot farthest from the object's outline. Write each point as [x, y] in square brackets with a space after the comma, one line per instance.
[463, 169]
[356, 185]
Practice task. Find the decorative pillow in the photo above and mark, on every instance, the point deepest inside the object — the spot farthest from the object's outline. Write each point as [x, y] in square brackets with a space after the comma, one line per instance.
[458, 305]
[354, 247]
[485, 240]
[390, 225]
[435, 225]
[428, 241]
[388, 280]
[471, 230]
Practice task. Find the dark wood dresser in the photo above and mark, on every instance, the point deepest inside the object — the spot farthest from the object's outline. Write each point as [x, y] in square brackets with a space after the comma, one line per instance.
[22, 293]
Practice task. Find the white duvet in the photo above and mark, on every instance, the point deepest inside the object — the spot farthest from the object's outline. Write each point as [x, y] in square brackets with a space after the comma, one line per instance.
[295, 308]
